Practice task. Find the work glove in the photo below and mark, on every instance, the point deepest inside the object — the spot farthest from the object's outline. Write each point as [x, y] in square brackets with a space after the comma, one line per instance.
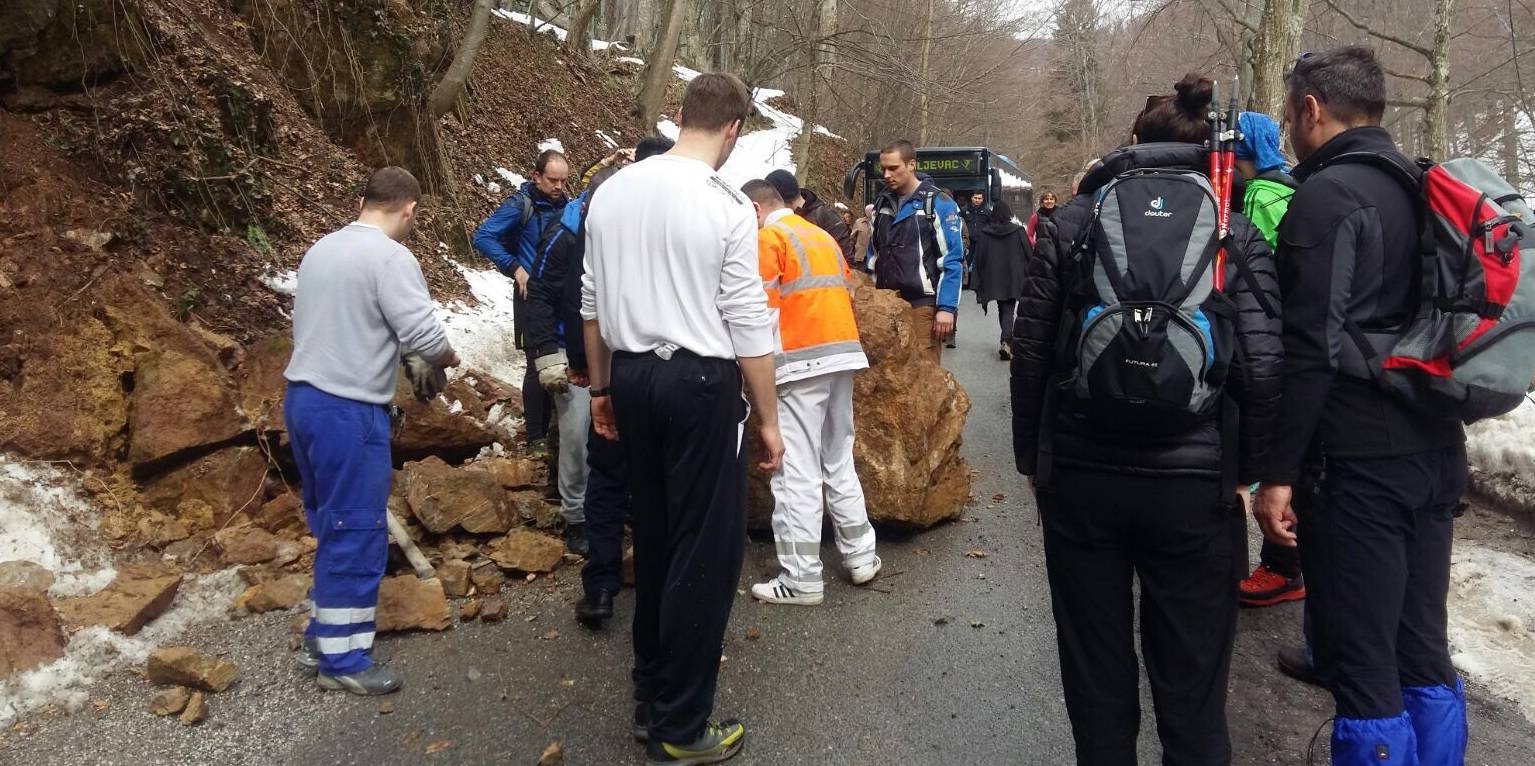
[553, 372]
[426, 378]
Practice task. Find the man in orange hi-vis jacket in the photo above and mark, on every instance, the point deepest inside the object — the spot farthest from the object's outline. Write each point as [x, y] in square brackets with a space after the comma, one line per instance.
[809, 285]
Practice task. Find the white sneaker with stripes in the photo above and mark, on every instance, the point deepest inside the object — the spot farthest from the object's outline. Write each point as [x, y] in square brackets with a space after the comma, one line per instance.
[863, 575]
[779, 591]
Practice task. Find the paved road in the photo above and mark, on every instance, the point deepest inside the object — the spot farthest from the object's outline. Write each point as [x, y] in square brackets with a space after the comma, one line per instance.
[948, 660]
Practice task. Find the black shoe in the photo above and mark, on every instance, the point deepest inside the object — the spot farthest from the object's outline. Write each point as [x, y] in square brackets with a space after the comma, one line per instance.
[575, 539]
[1294, 662]
[641, 722]
[1005, 352]
[595, 609]
[950, 343]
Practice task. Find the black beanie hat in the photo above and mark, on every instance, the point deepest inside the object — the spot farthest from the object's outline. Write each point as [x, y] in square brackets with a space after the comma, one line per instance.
[784, 182]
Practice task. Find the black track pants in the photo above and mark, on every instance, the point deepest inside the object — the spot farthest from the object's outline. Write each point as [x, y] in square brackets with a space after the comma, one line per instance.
[1375, 537]
[679, 421]
[1187, 547]
[607, 506]
[1006, 311]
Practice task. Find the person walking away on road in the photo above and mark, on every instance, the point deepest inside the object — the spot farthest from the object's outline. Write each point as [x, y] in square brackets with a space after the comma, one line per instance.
[1002, 253]
[809, 284]
[975, 217]
[672, 288]
[1374, 483]
[1137, 421]
[554, 310]
[1266, 197]
[361, 300]
[915, 247]
[807, 205]
[509, 238]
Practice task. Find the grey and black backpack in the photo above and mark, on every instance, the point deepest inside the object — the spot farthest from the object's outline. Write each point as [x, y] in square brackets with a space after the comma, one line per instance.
[1151, 339]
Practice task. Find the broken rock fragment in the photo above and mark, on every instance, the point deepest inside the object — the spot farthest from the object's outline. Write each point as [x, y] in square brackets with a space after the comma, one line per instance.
[455, 578]
[196, 710]
[185, 666]
[443, 497]
[282, 592]
[30, 635]
[170, 701]
[246, 545]
[138, 595]
[494, 610]
[524, 550]
[409, 603]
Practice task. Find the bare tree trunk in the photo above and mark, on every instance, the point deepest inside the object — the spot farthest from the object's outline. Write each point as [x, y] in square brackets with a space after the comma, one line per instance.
[1511, 144]
[923, 76]
[451, 86]
[1275, 49]
[1436, 109]
[658, 73]
[820, 55]
[580, 37]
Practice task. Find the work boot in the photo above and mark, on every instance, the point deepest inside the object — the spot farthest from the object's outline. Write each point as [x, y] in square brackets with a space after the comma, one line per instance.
[1266, 588]
[642, 715]
[575, 539]
[719, 742]
[950, 343]
[779, 591]
[309, 656]
[1295, 662]
[375, 681]
[1004, 353]
[595, 609]
[865, 574]
[538, 449]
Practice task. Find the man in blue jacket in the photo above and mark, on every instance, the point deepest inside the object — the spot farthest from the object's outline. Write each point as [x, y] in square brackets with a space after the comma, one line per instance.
[916, 247]
[509, 238]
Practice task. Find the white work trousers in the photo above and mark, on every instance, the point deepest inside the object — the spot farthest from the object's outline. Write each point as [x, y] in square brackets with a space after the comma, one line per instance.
[816, 418]
[574, 408]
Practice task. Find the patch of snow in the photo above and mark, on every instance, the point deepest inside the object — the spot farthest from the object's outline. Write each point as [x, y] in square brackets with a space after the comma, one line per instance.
[1491, 617]
[284, 282]
[1010, 181]
[1504, 444]
[763, 94]
[824, 131]
[46, 519]
[510, 177]
[607, 140]
[630, 60]
[479, 178]
[668, 128]
[482, 334]
[95, 652]
[550, 28]
[493, 187]
[551, 143]
[685, 74]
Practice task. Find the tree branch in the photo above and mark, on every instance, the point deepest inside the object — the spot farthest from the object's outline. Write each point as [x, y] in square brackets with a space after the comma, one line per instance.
[1421, 50]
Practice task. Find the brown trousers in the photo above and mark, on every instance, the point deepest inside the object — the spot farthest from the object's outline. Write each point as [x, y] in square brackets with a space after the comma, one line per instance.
[922, 328]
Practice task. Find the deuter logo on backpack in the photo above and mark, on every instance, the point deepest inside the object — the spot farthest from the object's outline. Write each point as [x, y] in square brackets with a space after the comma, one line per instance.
[1153, 339]
[1156, 210]
[1469, 349]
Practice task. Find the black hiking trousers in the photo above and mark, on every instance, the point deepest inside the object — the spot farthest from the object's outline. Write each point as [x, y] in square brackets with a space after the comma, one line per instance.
[1187, 546]
[607, 507]
[1375, 537]
[680, 423]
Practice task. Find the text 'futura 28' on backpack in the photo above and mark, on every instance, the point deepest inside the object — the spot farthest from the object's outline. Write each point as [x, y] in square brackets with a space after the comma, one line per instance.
[1469, 349]
[1152, 341]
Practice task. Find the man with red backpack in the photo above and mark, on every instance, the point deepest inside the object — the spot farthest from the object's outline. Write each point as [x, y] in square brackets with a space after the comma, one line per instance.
[1374, 483]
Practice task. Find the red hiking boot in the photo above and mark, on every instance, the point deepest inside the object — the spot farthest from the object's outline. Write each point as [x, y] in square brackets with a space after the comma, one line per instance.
[1266, 588]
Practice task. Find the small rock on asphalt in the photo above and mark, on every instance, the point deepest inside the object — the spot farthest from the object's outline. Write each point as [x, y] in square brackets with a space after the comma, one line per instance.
[170, 701]
[494, 610]
[196, 710]
[554, 755]
[185, 666]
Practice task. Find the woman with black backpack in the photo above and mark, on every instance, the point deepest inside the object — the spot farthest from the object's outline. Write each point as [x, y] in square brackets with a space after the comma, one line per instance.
[1145, 384]
[999, 264]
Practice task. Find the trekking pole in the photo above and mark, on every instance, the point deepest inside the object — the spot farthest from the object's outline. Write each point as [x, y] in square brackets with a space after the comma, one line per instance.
[1217, 166]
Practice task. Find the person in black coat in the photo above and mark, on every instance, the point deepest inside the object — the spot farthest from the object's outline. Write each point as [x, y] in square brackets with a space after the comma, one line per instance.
[1123, 505]
[1000, 263]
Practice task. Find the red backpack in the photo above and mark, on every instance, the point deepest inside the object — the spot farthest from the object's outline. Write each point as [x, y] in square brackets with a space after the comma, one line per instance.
[1469, 349]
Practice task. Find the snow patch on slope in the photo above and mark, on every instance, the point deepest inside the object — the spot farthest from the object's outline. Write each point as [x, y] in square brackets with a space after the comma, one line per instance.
[1505, 444]
[46, 519]
[1492, 612]
[482, 334]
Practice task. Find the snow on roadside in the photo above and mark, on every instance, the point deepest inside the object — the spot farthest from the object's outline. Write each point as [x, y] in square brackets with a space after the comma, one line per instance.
[1492, 613]
[482, 334]
[45, 519]
[515, 179]
[1505, 444]
[96, 652]
[550, 28]
[551, 143]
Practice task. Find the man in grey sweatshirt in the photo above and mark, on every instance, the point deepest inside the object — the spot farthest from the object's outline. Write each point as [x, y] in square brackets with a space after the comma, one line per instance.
[361, 299]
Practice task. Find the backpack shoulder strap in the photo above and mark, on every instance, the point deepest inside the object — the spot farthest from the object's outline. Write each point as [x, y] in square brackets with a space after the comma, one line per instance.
[527, 207]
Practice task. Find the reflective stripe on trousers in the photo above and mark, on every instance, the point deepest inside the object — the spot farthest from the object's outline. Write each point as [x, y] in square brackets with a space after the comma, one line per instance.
[816, 419]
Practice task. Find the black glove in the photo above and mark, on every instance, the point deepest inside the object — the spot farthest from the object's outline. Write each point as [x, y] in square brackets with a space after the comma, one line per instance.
[427, 379]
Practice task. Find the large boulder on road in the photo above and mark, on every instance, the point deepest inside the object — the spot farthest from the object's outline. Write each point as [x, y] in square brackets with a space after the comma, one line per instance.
[910, 418]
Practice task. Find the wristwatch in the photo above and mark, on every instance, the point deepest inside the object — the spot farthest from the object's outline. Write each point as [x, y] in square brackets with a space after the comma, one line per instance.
[598, 393]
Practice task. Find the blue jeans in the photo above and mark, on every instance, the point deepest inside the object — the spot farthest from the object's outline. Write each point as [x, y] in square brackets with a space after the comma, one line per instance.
[342, 450]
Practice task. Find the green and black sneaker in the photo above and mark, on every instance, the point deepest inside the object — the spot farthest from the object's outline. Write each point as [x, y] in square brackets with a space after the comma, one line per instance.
[719, 742]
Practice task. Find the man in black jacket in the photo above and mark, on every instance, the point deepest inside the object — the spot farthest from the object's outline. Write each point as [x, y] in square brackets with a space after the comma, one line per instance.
[555, 334]
[1374, 485]
[811, 208]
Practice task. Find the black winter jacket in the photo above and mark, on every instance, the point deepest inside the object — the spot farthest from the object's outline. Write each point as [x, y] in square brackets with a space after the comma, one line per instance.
[1347, 249]
[1000, 263]
[824, 216]
[1256, 368]
[553, 310]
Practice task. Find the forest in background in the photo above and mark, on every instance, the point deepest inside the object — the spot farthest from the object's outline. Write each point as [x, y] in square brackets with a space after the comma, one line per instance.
[1053, 83]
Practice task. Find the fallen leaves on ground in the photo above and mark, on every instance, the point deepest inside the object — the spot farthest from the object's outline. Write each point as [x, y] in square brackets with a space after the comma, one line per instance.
[753, 633]
[438, 746]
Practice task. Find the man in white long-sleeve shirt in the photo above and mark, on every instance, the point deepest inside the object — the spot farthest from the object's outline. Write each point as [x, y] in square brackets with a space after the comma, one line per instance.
[676, 317]
[361, 297]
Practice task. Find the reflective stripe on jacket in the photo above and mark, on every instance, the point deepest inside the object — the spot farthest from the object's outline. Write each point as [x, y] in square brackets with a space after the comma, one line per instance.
[808, 282]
